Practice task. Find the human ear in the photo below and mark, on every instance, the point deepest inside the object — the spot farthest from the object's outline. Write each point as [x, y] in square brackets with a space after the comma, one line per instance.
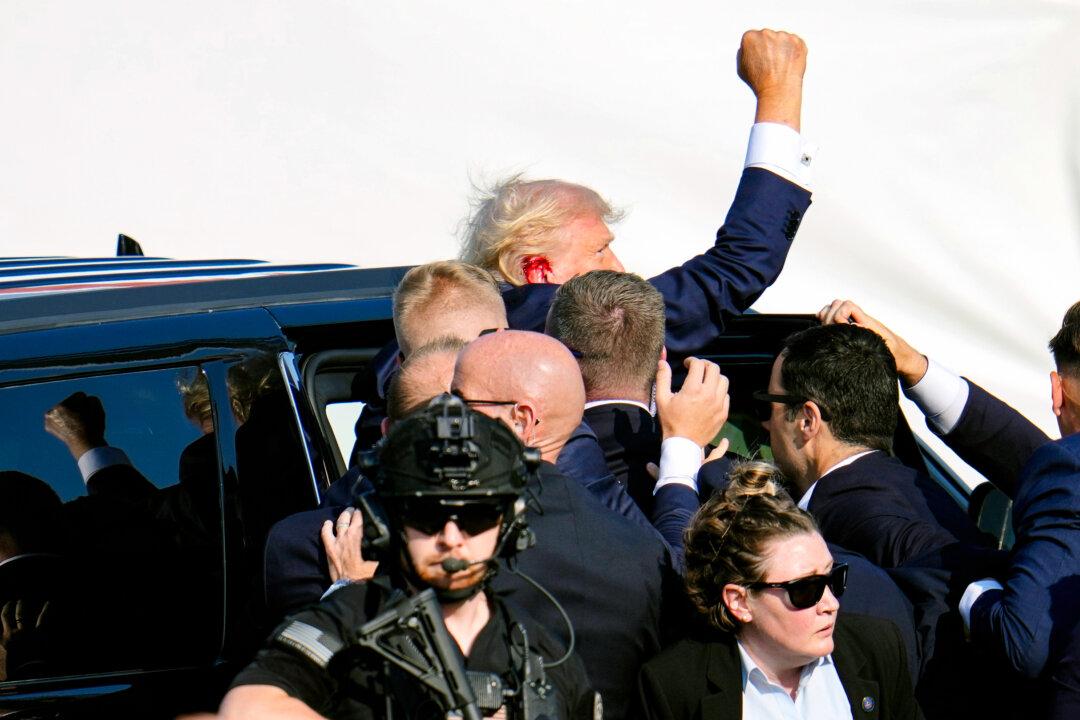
[523, 417]
[735, 598]
[536, 269]
[1057, 393]
[810, 422]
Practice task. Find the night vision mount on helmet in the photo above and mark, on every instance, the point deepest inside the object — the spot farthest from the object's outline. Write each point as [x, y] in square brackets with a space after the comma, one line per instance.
[447, 450]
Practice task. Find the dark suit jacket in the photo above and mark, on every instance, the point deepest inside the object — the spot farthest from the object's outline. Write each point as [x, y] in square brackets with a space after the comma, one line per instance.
[1032, 622]
[888, 512]
[994, 439]
[1033, 619]
[701, 679]
[698, 295]
[629, 439]
[582, 460]
[615, 580]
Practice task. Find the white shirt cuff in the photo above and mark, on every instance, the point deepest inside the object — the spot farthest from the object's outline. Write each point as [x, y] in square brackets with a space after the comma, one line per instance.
[941, 395]
[99, 458]
[971, 594]
[781, 150]
[680, 460]
[335, 586]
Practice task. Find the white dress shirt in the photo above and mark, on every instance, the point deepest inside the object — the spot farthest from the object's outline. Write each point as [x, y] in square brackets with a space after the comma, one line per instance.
[820, 695]
[99, 458]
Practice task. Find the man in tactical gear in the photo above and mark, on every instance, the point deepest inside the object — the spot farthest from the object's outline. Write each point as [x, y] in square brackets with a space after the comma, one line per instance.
[450, 483]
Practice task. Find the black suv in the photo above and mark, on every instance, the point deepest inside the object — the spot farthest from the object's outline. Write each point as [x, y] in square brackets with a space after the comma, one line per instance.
[228, 391]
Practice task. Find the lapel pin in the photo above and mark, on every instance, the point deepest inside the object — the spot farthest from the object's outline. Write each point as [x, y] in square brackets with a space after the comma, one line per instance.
[868, 704]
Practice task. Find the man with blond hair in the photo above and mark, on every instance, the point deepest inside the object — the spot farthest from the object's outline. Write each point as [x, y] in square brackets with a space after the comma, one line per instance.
[448, 298]
[445, 299]
[536, 235]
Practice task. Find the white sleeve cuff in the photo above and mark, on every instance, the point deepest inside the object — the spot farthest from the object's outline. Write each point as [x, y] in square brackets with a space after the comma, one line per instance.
[781, 150]
[971, 594]
[99, 458]
[941, 395]
[337, 585]
[680, 460]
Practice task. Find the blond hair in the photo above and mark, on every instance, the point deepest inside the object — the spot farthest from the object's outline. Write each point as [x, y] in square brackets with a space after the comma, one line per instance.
[517, 219]
[447, 286]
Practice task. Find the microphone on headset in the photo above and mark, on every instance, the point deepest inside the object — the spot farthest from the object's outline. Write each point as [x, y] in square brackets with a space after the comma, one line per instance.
[455, 565]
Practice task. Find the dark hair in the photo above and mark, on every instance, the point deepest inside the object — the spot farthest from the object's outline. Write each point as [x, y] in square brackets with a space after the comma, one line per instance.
[1065, 345]
[29, 510]
[727, 536]
[613, 322]
[850, 373]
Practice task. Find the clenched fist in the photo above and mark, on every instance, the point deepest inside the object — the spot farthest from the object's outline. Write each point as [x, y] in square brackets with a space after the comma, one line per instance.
[772, 63]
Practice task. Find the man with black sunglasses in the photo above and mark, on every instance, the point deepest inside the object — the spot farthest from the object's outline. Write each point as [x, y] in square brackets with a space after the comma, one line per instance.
[451, 485]
[832, 409]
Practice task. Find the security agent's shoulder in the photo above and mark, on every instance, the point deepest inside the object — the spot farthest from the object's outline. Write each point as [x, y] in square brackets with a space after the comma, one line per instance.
[870, 637]
[673, 682]
[344, 610]
[1055, 459]
[558, 493]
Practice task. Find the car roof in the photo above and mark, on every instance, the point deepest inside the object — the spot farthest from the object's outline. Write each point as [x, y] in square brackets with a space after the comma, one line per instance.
[44, 292]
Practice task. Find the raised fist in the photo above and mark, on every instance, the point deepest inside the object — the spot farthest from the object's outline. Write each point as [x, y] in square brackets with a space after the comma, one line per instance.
[772, 63]
[78, 421]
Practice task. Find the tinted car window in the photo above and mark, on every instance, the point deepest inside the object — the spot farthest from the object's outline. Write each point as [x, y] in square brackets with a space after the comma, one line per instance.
[114, 562]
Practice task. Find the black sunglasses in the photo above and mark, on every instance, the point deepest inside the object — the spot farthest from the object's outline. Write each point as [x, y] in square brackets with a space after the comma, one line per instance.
[806, 592]
[431, 516]
[763, 400]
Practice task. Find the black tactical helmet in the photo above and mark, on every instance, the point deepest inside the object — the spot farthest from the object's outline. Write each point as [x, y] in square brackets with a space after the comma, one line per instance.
[448, 451]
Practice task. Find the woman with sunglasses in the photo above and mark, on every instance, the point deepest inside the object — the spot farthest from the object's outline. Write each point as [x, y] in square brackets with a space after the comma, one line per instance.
[771, 643]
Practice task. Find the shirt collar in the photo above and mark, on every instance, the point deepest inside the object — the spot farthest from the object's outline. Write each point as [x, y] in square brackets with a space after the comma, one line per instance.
[804, 501]
[635, 403]
[752, 673]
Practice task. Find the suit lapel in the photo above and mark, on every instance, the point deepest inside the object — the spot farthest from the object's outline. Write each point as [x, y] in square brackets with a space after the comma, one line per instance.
[724, 673]
[863, 693]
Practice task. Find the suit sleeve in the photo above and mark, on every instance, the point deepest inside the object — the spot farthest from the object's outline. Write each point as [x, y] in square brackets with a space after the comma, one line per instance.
[673, 506]
[1041, 587]
[879, 525]
[582, 461]
[994, 439]
[748, 256]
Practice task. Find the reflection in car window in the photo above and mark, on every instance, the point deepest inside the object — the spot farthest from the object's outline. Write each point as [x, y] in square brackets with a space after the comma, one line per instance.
[113, 558]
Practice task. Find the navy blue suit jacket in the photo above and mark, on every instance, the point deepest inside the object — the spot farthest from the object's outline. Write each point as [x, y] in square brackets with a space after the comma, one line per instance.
[700, 294]
[629, 439]
[582, 460]
[1033, 619]
[887, 511]
[994, 439]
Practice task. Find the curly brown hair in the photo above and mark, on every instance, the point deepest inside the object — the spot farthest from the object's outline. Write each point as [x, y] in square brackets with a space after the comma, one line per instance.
[727, 536]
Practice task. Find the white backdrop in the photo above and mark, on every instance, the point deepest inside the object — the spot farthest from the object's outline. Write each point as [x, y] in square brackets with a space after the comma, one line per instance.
[947, 197]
